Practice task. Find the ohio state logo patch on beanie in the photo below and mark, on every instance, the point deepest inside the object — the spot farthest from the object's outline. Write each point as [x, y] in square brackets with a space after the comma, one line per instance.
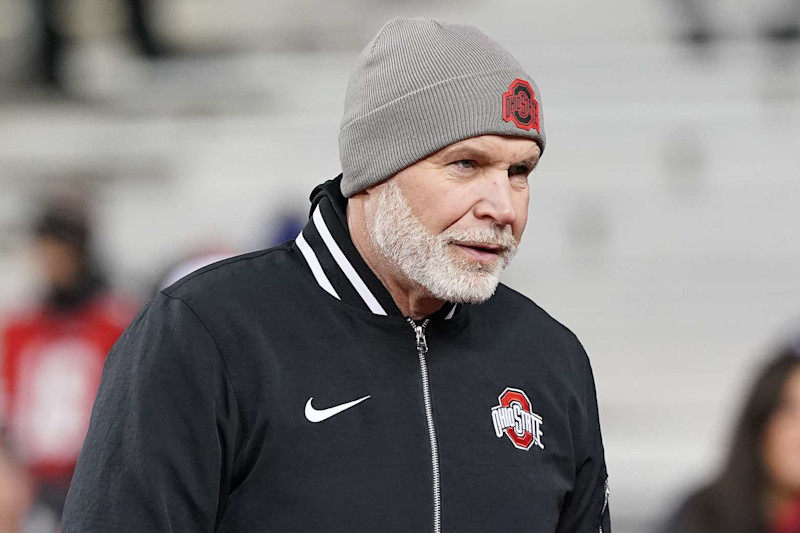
[515, 419]
[520, 106]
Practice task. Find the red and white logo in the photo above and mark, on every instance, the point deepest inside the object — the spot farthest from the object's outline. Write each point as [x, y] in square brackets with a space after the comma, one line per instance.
[520, 106]
[515, 419]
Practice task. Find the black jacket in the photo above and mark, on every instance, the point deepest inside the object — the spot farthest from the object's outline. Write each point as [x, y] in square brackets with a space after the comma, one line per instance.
[480, 419]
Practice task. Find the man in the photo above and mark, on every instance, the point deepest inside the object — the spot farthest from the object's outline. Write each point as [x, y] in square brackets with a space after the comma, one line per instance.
[364, 377]
[52, 357]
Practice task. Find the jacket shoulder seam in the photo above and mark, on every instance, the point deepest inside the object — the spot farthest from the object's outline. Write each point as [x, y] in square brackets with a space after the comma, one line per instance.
[242, 419]
[220, 264]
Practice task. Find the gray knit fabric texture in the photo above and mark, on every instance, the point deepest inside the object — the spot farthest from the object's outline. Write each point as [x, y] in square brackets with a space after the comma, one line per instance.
[418, 86]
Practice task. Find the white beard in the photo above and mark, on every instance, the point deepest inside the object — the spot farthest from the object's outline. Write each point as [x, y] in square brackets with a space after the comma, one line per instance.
[428, 259]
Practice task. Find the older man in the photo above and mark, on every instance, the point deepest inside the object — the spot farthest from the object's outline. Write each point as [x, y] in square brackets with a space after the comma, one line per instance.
[371, 375]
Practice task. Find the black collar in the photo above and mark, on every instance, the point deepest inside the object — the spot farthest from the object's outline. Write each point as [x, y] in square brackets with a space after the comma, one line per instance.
[334, 261]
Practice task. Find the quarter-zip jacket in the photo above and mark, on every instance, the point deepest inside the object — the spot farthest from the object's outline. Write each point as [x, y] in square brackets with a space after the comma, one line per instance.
[284, 391]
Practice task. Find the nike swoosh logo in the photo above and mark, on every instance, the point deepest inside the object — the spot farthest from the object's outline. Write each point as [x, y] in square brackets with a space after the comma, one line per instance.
[318, 415]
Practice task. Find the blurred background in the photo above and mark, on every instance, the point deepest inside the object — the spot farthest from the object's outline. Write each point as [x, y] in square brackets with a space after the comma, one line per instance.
[663, 224]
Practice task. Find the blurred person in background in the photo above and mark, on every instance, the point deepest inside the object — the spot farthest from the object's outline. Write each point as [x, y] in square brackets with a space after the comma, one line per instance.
[758, 489]
[279, 229]
[16, 493]
[52, 356]
[187, 264]
[781, 26]
[52, 40]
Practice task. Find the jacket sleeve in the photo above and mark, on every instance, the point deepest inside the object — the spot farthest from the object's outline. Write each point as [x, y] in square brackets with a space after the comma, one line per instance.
[160, 445]
[585, 508]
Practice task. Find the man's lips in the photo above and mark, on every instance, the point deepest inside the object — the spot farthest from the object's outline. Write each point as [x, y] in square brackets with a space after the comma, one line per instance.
[480, 251]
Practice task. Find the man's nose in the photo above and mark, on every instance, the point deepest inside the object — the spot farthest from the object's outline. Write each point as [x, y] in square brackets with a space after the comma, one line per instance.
[496, 200]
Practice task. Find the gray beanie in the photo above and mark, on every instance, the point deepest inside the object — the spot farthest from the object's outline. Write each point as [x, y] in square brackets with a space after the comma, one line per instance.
[423, 84]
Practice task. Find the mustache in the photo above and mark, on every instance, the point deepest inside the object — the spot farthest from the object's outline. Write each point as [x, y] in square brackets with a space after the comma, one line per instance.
[486, 235]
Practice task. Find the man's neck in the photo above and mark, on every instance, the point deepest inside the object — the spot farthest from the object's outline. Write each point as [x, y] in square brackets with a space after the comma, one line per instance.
[413, 300]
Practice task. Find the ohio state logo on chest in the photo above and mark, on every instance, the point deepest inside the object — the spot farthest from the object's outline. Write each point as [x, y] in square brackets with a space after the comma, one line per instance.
[520, 106]
[515, 419]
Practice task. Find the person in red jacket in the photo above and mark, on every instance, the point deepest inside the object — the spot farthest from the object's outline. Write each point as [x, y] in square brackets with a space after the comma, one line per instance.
[52, 357]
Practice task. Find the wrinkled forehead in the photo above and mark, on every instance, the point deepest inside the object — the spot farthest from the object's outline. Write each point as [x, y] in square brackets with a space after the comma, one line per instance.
[494, 148]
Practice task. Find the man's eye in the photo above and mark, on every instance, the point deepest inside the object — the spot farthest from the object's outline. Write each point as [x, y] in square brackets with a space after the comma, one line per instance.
[465, 164]
[519, 170]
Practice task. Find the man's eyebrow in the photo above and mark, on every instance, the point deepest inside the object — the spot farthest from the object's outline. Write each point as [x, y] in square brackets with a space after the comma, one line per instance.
[480, 153]
[452, 151]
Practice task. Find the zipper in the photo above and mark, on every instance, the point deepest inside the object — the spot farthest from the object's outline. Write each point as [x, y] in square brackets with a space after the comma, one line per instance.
[422, 349]
[605, 505]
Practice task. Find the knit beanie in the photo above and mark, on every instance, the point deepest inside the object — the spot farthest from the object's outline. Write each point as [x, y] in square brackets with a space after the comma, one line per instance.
[423, 84]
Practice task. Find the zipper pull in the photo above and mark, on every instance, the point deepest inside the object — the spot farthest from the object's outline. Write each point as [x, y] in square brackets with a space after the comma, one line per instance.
[422, 343]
